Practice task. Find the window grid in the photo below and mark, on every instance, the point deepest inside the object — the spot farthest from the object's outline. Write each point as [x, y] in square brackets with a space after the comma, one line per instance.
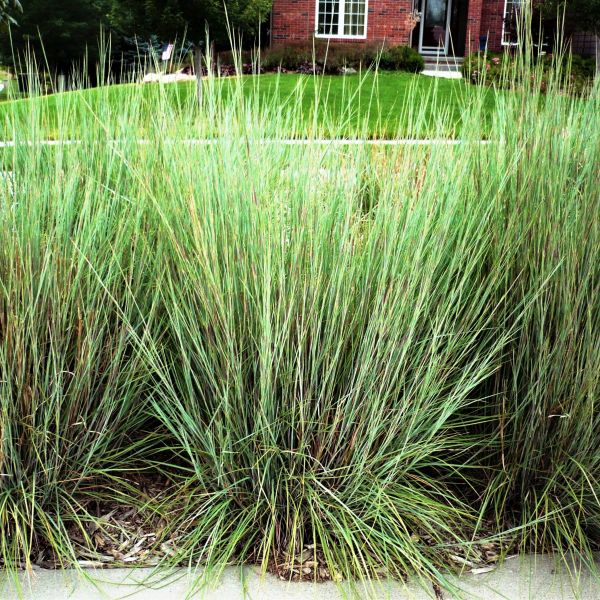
[328, 17]
[354, 17]
[342, 18]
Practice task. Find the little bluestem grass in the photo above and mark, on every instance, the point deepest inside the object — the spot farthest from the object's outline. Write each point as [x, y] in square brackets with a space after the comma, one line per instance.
[360, 353]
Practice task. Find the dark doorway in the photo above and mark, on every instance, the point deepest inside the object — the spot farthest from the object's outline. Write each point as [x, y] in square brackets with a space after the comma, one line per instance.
[459, 10]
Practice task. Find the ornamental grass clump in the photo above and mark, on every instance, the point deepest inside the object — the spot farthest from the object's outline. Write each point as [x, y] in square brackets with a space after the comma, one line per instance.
[320, 358]
[74, 266]
[339, 362]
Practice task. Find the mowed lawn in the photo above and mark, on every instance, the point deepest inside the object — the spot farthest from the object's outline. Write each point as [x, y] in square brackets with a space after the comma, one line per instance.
[383, 105]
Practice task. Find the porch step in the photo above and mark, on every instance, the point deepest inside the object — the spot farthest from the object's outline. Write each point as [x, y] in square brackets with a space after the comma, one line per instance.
[447, 64]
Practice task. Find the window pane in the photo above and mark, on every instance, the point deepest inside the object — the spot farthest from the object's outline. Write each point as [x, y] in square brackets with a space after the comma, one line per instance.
[329, 17]
[354, 17]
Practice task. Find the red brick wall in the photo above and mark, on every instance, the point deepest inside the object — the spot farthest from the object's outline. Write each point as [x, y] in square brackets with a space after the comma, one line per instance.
[292, 21]
[491, 23]
[388, 20]
[473, 26]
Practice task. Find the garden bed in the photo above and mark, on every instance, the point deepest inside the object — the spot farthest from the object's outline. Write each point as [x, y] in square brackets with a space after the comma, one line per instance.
[361, 361]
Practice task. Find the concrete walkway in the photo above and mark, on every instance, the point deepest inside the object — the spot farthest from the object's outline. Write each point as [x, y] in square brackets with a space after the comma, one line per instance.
[442, 74]
[525, 578]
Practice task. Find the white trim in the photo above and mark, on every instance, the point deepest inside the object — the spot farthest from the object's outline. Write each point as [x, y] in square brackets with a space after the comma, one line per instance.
[338, 35]
[430, 50]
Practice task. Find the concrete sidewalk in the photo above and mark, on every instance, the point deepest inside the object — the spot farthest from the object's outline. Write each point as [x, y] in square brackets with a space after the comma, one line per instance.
[531, 578]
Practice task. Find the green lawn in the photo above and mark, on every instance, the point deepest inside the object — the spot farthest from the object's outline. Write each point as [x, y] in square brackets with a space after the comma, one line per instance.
[371, 105]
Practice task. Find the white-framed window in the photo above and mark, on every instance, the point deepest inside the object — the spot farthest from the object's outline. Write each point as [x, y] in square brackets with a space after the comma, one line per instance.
[513, 10]
[341, 18]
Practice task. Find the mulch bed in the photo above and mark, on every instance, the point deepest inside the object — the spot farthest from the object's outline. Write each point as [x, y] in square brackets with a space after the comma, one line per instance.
[119, 535]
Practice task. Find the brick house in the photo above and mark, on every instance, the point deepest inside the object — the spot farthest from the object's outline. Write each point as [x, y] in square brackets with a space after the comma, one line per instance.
[433, 27]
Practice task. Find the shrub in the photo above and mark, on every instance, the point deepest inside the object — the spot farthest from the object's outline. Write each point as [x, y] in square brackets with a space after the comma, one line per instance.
[334, 58]
[289, 57]
[402, 58]
[505, 70]
[230, 58]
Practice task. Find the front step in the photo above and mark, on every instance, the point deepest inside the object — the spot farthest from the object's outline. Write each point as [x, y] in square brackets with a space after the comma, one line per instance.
[445, 64]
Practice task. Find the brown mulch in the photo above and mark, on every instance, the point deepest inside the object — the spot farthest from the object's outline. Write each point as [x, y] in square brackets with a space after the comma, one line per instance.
[121, 535]
[117, 534]
[478, 557]
[307, 565]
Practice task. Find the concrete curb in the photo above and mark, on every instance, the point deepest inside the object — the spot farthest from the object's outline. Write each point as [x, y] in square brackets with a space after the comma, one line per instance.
[520, 578]
[266, 141]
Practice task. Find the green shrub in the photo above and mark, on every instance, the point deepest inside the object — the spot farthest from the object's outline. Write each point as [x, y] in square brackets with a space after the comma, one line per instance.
[402, 58]
[503, 70]
[289, 57]
[333, 58]
[230, 58]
